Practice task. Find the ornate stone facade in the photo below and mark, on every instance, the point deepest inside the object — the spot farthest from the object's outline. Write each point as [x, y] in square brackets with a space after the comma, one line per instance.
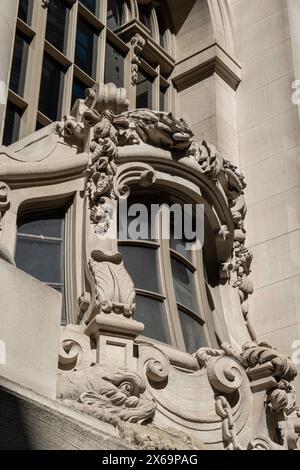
[238, 392]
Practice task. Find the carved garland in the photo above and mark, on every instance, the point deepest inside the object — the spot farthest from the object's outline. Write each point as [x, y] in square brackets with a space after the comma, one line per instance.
[137, 45]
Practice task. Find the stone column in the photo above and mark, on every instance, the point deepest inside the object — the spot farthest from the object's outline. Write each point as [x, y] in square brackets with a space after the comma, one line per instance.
[8, 15]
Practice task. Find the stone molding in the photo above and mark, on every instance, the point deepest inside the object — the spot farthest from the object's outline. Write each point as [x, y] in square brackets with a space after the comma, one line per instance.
[198, 67]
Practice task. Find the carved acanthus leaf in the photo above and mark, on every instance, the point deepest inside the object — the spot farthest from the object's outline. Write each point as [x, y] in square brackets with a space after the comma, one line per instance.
[114, 287]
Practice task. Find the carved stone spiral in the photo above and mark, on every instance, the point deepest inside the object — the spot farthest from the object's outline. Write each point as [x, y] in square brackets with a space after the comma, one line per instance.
[157, 370]
[225, 374]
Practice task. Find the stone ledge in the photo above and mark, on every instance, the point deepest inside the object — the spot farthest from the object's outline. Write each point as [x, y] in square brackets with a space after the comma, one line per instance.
[30, 421]
[205, 63]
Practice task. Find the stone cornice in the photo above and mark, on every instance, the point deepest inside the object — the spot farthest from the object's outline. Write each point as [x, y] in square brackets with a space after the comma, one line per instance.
[204, 64]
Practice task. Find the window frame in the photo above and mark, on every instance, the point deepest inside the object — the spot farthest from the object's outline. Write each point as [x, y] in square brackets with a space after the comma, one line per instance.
[164, 269]
[69, 274]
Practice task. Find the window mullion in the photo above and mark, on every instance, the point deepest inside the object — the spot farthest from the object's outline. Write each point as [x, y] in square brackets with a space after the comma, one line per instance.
[34, 70]
[70, 54]
[167, 277]
[200, 287]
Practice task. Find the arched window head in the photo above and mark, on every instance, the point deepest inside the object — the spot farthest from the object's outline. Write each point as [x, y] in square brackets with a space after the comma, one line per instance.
[169, 279]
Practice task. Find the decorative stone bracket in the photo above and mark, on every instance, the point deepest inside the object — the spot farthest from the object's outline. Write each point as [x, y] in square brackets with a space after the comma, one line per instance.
[235, 400]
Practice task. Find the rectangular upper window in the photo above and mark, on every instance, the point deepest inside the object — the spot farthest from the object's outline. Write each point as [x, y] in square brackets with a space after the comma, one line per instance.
[86, 47]
[57, 24]
[51, 91]
[114, 66]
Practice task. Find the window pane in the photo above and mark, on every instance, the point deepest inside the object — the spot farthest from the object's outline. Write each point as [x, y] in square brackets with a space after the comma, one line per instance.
[46, 225]
[114, 66]
[78, 90]
[85, 51]
[144, 217]
[161, 25]
[162, 99]
[25, 10]
[57, 24]
[115, 14]
[178, 244]
[183, 279]
[145, 16]
[19, 64]
[50, 102]
[39, 126]
[40, 258]
[143, 92]
[192, 332]
[151, 312]
[12, 124]
[90, 5]
[141, 263]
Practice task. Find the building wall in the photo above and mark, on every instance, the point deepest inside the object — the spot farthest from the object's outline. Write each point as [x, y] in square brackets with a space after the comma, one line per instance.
[256, 126]
[269, 148]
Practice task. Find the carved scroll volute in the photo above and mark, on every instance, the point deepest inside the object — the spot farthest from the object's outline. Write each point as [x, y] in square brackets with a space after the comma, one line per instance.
[225, 374]
[4, 199]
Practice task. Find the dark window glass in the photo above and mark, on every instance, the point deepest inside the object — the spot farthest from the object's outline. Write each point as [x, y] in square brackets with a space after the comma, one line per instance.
[25, 10]
[114, 66]
[145, 16]
[141, 263]
[161, 26]
[19, 64]
[40, 259]
[115, 14]
[51, 91]
[42, 225]
[85, 50]
[39, 250]
[12, 124]
[57, 24]
[78, 90]
[178, 244]
[192, 332]
[162, 99]
[90, 5]
[143, 92]
[151, 312]
[184, 285]
[39, 126]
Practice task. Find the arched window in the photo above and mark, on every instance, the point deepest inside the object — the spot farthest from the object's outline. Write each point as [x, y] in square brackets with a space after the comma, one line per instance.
[171, 302]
